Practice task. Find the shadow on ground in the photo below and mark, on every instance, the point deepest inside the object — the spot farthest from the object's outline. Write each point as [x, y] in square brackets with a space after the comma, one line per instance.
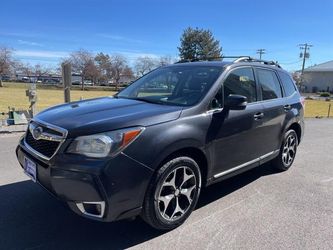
[32, 219]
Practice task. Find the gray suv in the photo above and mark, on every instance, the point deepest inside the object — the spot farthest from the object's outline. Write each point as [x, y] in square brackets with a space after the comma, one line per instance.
[150, 149]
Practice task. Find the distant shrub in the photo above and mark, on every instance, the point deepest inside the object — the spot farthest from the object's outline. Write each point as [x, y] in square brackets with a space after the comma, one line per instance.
[324, 94]
[308, 98]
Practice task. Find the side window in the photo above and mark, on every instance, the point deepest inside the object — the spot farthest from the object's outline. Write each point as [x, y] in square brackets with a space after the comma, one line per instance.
[269, 84]
[288, 83]
[241, 82]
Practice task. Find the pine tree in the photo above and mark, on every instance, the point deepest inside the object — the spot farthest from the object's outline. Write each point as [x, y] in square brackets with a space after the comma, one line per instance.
[199, 44]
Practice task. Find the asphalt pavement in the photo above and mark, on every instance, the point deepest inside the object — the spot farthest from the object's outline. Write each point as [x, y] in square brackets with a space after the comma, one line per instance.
[260, 209]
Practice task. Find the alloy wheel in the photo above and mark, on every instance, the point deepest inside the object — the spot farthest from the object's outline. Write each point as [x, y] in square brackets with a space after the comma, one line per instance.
[289, 150]
[176, 193]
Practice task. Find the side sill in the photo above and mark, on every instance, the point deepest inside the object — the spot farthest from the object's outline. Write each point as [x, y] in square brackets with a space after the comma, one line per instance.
[256, 160]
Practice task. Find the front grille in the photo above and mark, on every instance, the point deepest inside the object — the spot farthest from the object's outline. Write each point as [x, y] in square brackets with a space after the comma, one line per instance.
[43, 147]
[48, 138]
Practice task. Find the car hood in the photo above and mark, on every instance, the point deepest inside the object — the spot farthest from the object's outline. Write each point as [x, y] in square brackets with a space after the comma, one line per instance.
[106, 114]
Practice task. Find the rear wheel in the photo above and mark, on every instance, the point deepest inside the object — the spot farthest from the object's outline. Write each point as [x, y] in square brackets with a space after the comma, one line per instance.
[288, 151]
[172, 194]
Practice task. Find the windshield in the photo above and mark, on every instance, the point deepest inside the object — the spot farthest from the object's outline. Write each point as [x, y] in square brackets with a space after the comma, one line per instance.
[175, 85]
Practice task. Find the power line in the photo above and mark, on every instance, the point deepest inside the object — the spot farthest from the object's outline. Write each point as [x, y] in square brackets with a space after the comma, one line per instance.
[261, 52]
[292, 62]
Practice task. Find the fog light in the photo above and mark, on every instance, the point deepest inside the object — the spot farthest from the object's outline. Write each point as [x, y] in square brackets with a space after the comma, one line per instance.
[94, 209]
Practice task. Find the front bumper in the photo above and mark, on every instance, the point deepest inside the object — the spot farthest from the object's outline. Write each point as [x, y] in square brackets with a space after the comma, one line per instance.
[104, 190]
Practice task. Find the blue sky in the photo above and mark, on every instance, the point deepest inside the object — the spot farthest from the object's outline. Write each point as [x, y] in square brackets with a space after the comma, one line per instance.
[44, 31]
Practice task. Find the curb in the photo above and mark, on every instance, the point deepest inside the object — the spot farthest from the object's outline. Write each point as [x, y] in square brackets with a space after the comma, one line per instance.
[13, 129]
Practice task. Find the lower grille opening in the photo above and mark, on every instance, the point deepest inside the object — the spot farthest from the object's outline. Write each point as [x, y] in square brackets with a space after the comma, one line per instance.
[94, 209]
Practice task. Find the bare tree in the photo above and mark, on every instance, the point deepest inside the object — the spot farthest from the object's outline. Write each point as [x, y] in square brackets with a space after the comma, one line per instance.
[91, 71]
[40, 71]
[27, 70]
[104, 66]
[6, 62]
[165, 60]
[144, 64]
[119, 64]
[128, 72]
[82, 62]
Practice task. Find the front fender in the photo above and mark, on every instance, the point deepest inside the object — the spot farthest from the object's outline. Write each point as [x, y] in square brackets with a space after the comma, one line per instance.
[174, 147]
[159, 141]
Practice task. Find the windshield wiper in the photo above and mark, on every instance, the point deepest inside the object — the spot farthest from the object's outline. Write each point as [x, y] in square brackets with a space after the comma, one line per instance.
[142, 99]
[147, 100]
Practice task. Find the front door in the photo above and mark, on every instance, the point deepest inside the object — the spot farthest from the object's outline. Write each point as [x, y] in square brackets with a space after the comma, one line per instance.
[237, 134]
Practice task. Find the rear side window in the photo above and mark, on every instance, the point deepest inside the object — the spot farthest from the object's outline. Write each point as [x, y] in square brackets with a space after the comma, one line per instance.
[288, 84]
[269, 84]
[241, 82]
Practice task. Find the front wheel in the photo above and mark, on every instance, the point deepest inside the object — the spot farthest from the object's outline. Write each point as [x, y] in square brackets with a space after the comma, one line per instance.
[172, 194]
[288, 151]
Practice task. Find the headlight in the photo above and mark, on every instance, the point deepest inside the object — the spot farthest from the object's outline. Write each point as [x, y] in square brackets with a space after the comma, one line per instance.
[105, 144]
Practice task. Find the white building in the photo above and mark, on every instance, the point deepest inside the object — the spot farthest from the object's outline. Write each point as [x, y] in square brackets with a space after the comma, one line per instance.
[319, 77]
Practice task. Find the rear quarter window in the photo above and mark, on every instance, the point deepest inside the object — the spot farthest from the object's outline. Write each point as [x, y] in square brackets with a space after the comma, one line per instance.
[287, 83]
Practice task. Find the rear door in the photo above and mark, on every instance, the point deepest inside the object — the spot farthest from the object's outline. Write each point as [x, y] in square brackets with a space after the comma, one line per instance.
[292, 97]
[275, 108]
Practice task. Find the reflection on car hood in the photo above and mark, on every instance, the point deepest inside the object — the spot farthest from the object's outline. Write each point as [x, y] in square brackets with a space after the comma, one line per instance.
[105, 114]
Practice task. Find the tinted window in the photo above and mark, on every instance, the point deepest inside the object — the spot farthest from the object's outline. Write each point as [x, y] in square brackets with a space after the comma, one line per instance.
[269, 84]
[288, 84]
[173, 85]
[241, 82]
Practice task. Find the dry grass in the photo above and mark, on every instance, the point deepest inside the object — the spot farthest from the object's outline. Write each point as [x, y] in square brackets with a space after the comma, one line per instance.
[316, 108]
[14, 95]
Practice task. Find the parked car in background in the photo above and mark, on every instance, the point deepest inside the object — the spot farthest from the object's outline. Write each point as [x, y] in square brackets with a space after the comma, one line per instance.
[76, 82]
[88, 82]
[52, 81]
[5, 78]
[150, 150]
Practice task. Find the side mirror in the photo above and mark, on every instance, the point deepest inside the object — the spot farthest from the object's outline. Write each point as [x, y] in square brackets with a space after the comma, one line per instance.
[235, 102]
[215, 104]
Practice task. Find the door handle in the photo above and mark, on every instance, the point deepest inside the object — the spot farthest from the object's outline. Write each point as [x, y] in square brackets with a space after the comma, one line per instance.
[287, 107]
[258, 116]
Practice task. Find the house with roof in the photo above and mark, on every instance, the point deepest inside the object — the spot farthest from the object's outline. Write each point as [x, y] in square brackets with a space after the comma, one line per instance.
[319, 77]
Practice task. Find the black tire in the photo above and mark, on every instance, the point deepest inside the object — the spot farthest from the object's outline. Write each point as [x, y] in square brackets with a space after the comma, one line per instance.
[282, 162]
[160, 187]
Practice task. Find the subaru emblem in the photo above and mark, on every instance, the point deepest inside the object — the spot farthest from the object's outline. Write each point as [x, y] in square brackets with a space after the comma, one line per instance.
[37, 132]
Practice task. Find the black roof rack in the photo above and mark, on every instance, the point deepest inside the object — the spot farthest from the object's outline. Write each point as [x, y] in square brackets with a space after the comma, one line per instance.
[209, 59]
[200, 60]
[237, 60]
[250, 59]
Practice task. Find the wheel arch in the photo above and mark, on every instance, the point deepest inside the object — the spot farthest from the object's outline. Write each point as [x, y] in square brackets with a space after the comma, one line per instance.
[196, 153]
[297, 128]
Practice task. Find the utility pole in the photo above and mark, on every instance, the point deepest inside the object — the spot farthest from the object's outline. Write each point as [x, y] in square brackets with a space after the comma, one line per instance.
[305, 54]
[305, 47]
[261, 52]
[67, 80]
